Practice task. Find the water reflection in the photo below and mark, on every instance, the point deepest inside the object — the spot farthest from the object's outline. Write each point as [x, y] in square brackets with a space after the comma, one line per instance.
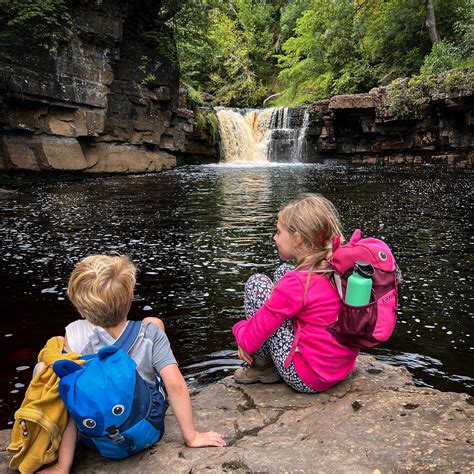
[197, 233]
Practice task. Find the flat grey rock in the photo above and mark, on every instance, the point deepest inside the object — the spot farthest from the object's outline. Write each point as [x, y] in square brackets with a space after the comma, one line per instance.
[7, 193]
[376, 421]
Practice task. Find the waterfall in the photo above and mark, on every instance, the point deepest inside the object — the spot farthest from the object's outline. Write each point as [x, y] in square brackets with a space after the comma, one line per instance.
[238, 138]
[301, 139]
[282, 137]
[262, 135]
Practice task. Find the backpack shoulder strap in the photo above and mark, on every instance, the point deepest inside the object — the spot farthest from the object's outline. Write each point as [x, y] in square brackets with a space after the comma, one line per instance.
[338, 282]
[129, 336]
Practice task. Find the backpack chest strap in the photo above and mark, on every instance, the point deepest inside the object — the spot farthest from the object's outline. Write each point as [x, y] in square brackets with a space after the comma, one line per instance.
[119, 440]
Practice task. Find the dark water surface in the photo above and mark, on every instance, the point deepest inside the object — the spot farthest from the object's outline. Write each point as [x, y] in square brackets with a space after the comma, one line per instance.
[197, 233]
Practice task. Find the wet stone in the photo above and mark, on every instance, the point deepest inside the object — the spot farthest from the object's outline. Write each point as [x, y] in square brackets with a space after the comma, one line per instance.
[308, 436]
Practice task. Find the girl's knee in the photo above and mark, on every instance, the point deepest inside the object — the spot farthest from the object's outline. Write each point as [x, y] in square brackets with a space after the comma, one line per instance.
[257, 290]
[281, 271]
[258, 280]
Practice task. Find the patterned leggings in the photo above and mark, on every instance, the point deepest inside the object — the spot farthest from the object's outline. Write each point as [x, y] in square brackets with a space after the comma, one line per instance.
[257, 290]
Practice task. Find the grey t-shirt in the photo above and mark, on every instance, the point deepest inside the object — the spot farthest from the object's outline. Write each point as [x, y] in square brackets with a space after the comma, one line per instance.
[151, 351]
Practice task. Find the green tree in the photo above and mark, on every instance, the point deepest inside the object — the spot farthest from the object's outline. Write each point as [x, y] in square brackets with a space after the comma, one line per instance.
[226, 48]
[325, 57]
[346, 46]
[232, 79]
[292, 11]
[395, 40]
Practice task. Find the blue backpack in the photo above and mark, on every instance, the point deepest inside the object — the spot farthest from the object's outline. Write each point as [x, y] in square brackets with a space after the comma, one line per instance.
[115, 410]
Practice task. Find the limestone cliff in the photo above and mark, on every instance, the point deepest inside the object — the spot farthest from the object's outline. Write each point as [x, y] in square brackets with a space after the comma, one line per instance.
[105, 98]
[428, 122]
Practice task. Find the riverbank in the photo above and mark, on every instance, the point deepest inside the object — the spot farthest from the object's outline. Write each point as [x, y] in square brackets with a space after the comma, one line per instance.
[375, 421]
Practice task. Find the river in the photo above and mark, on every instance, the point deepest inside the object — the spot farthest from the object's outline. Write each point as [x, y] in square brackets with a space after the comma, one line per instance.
[198, 232]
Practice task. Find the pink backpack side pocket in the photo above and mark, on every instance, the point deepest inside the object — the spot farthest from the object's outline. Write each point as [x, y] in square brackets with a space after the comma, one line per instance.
[386, 316]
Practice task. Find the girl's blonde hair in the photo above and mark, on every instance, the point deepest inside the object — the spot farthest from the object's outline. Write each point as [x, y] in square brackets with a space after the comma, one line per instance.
[101, 288]
[317, 221]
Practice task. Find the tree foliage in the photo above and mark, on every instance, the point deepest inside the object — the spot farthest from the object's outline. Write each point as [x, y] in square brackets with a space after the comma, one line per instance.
[242, 51]
[42, 21]
[233, 49]
[347, 46]
[226, 48]
[443, 56]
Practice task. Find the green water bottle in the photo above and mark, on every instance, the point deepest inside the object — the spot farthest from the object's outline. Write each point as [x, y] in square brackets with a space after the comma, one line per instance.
[359, 284]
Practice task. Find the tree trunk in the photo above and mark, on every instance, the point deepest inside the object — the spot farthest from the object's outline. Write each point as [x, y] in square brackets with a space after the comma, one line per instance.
[430, 21]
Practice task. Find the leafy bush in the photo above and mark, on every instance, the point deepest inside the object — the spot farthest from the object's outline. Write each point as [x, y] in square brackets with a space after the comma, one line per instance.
[207, 124]
[407, 96]
[194, 95]
[465, 31]
[458, 81]
[357, 77]
[443, 57]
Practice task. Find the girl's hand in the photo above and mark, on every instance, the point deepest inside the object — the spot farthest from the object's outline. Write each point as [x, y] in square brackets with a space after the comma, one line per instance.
[201, 440]
[245, 356]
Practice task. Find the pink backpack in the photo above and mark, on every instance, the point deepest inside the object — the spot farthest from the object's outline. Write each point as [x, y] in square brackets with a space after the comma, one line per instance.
[365, 326]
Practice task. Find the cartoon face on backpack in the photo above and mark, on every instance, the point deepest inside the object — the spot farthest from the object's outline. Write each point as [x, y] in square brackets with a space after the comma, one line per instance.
[99, 398]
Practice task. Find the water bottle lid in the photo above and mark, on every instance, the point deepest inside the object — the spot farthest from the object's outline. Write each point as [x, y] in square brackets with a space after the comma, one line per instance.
[364, 269]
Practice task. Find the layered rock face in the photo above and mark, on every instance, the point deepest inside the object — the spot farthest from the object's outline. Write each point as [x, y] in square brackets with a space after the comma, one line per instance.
[364, 128]
[375, 421]
[104, 101]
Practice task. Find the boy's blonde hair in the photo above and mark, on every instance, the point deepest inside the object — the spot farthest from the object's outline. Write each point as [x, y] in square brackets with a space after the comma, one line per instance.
[317, 221]
[101, 288]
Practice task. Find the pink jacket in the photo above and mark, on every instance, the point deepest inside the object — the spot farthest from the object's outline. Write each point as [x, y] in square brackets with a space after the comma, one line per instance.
[319, 359]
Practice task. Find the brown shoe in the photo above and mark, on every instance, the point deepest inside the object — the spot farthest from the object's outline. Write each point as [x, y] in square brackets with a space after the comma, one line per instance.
[262, 370]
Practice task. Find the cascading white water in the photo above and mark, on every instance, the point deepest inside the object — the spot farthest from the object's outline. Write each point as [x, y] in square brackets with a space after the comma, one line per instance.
[239, 142]
[261, 135]
[300, 140]
[282, 137]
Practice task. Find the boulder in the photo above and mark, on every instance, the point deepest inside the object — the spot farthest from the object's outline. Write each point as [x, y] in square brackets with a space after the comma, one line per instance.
[43, 153]
[375, 421]
[105, 158]
[354, 101]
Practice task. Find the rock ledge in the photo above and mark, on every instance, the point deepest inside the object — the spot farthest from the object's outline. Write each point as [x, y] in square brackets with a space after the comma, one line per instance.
[375, 421]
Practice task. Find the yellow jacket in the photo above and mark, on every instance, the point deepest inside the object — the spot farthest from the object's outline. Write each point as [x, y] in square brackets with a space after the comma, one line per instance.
[42, 417]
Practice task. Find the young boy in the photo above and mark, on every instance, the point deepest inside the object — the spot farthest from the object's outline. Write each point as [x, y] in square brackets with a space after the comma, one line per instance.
[101, 288]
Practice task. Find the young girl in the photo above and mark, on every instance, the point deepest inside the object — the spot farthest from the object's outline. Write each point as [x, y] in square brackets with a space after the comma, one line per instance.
[285, 333]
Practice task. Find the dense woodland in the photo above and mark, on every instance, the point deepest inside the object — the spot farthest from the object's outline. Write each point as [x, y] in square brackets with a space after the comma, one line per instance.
[243, 51]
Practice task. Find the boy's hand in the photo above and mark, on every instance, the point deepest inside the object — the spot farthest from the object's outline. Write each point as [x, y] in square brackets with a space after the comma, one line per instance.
[201, 440]
[245, 356]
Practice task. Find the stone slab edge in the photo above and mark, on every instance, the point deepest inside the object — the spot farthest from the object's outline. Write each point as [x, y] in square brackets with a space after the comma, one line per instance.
[376, 421]
[38, 153]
